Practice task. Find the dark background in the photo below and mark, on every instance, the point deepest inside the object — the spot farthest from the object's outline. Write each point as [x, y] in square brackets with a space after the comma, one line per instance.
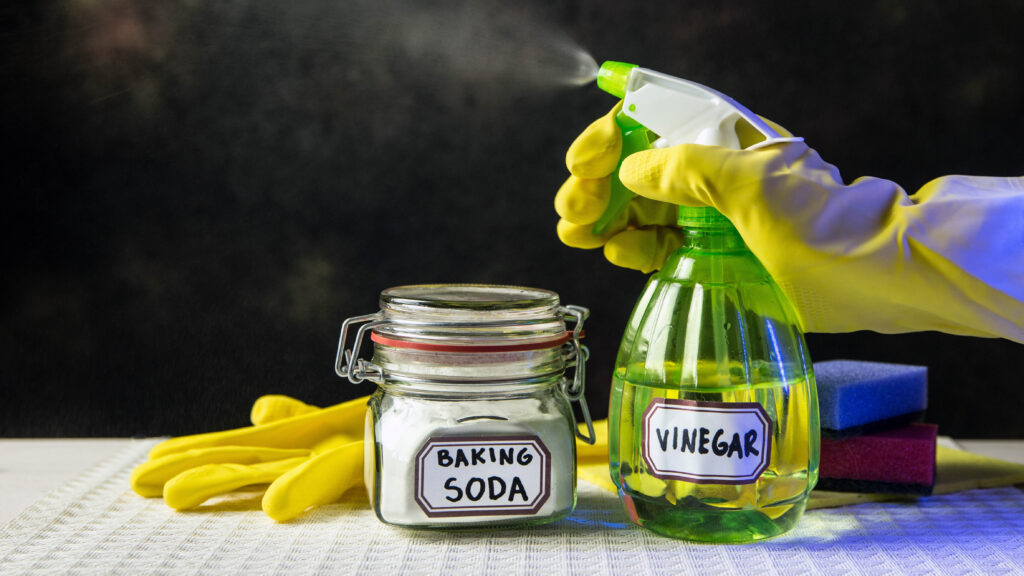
[196, 194]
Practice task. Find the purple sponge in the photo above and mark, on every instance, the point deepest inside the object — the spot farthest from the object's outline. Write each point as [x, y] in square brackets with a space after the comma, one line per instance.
[861, 397]
[900, 460]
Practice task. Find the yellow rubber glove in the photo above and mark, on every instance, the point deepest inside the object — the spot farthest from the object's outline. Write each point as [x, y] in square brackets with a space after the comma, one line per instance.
[592, 459]
[596, 453]
[309, 456]
[863, 256]
[645, 233]
[642, 236]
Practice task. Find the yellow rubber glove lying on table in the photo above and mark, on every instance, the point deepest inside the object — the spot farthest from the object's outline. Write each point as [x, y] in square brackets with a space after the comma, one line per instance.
[309, 456]
[863, 256]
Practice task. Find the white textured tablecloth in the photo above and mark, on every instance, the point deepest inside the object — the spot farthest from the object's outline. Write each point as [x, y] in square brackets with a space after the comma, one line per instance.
[97, 525]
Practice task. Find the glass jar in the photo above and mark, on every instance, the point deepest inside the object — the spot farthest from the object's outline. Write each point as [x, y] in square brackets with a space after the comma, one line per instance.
[471, 423]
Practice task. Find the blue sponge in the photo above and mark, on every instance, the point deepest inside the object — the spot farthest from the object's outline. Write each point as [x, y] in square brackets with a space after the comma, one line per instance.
[859, 397]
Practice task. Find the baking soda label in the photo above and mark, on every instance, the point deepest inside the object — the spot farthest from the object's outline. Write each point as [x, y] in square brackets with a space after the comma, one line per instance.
[482, 475]
[706, 442]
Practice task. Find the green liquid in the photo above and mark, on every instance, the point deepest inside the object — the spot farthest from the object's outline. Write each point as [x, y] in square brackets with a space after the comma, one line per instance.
[719, 512]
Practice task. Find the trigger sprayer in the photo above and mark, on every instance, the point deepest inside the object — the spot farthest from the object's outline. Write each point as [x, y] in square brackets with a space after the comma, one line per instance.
[713, 420]
[676, 111]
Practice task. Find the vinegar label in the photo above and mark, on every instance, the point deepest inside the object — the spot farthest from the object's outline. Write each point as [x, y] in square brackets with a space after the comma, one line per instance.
[706, 442]
[482, 476]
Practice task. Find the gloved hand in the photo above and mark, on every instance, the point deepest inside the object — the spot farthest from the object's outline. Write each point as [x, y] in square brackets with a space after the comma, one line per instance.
[863, 256]
[643, 235]
[309, 456]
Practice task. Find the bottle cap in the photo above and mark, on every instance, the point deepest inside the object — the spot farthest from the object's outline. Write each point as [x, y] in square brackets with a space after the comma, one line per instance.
[701, 217]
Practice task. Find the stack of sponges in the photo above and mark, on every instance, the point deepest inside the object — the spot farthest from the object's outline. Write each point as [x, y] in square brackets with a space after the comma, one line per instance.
[871, 440]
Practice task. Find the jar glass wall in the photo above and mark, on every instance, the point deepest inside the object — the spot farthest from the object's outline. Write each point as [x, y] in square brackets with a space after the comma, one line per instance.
[499, 459]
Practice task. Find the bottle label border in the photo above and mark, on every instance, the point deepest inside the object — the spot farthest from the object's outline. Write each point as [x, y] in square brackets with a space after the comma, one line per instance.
[698, 406]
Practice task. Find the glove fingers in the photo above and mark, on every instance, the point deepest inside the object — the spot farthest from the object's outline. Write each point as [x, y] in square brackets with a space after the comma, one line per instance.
[733, 181]
[300, 431]
[688, 174]
[320, 480]
[148, 478]
[197, 485]
[583, 200]
[595, 152]
[273, 407]
[644, 249]
[335, 441]
[577, 236]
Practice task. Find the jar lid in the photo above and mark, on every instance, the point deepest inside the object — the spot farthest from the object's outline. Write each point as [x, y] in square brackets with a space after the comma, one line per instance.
[470, 318]
[478, 335]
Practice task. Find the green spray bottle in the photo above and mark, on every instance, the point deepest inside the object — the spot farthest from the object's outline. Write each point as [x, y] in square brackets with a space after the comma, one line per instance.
[713, 419]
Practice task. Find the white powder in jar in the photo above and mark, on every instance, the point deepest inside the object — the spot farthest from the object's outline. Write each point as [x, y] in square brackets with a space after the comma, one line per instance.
[409, 422]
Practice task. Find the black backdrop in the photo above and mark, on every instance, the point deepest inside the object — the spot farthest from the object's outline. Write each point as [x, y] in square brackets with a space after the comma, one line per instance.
[196, 194]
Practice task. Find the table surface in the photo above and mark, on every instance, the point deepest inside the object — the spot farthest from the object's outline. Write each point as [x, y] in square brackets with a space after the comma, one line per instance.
[31, 468]
[91, 524]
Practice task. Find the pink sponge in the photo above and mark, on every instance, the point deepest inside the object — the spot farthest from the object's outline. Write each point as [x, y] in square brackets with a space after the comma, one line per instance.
[898, 460]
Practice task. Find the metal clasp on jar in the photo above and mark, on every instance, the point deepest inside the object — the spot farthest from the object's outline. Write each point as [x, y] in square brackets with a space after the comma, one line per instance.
[576, 357]
[348, 363]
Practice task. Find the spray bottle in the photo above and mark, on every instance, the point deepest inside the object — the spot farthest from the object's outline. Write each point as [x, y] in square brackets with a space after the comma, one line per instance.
[713, 421]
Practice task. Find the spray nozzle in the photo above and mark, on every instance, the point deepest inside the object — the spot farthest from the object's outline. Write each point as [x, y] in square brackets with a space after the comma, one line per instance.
[613, 77]
[658, 111]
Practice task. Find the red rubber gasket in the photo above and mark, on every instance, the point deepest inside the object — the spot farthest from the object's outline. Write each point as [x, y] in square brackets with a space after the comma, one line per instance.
[428, 347]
